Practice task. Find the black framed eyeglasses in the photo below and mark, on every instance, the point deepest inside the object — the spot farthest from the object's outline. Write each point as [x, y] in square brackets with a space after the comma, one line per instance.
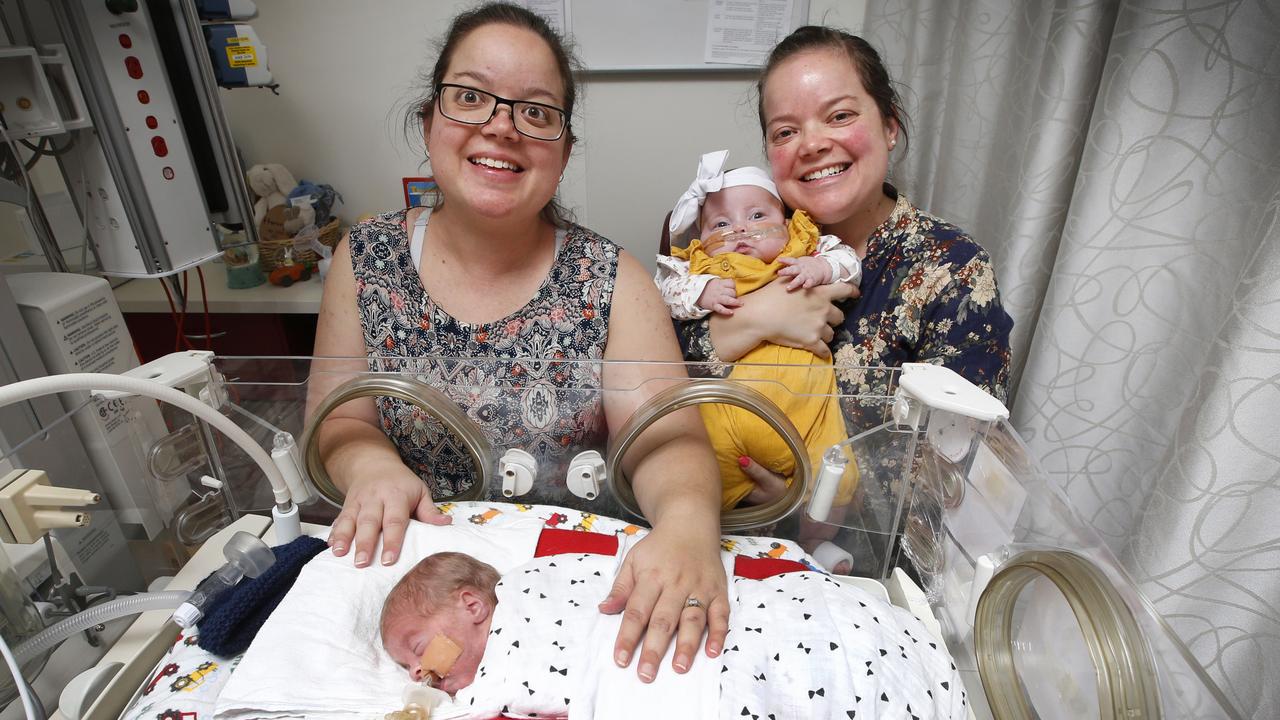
[472, 106]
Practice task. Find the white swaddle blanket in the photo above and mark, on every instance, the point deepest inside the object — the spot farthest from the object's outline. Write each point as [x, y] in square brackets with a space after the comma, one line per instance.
[320, 654]
[800, 644]
[551, 647]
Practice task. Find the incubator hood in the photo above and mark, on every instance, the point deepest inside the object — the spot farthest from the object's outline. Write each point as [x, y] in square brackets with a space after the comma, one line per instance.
[1041, 618]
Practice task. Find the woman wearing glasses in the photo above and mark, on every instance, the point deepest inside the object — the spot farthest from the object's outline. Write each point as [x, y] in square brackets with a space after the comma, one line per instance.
[495, 270]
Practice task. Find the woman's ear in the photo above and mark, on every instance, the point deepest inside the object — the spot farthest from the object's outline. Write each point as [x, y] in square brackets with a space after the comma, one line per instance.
[564, 161]
[427, 117]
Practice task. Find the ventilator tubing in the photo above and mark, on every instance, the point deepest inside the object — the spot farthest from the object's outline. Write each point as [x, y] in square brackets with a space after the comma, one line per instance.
[97, 382]
[37, 387]
[49, 638]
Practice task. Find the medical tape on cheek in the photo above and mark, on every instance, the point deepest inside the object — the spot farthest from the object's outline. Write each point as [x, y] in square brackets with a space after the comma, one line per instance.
[714, 241]
[438, 659]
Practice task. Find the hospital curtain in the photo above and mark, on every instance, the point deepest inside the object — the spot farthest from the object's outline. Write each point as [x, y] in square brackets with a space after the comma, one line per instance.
[1121, 162]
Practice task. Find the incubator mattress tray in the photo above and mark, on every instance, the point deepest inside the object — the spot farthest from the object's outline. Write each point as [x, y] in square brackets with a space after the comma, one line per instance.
[201, 676]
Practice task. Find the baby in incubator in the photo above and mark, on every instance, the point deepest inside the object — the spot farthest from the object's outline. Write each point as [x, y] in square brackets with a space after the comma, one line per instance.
[435, 621]
[533, 642]
[744, 242]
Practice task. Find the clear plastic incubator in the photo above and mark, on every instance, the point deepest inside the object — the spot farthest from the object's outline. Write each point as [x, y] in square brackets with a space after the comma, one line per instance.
[1040, 618]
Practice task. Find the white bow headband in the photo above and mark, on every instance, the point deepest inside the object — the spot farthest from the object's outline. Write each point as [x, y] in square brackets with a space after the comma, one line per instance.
[712, 178]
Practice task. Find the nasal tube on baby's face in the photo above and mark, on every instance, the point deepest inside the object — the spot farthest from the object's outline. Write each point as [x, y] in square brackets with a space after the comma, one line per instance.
[438, 659]
[717, 240]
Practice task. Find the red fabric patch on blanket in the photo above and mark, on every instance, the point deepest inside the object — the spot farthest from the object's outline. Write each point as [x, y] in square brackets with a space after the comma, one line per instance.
[761, 568]
[554, 541]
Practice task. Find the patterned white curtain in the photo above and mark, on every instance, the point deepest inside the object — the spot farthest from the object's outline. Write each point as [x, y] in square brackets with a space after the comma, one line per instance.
[1121, 162]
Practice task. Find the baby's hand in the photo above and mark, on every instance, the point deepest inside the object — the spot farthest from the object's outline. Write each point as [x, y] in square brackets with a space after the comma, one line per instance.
[805, 272]
[720, 296]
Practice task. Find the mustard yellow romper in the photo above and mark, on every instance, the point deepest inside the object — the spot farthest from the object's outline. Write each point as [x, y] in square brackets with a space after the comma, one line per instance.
[805, 390]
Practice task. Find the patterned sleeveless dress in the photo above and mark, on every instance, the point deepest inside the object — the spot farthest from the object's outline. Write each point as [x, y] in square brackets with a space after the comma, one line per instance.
[529, 380]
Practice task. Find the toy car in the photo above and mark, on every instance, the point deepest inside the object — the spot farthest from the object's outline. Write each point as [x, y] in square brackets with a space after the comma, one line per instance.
[166, 671]
[286, 275]
[193, 678]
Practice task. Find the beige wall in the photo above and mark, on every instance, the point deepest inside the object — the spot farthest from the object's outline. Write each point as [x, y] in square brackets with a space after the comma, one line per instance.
[345, 67]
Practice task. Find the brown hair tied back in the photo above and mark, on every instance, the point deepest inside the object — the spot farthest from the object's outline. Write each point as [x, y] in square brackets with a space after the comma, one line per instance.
[864, 58]
[567, 65]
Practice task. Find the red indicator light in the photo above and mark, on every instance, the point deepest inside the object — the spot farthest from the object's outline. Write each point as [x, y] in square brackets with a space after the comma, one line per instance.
[144, 97]
[133, 67]
[152, 123]
[126, 42]
[159, 146]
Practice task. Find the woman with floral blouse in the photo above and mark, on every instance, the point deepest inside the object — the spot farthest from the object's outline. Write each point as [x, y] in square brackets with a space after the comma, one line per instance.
[830, 119]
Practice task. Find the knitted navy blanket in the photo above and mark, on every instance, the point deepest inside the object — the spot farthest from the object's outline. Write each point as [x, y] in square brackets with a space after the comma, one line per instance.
[233, 618]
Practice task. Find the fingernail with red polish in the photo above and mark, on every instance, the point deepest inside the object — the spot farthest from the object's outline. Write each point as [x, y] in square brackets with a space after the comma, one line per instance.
[743, 461]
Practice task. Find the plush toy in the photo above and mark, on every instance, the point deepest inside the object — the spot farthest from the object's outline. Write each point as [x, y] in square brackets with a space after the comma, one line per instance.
[323, 198]
[270, 184]
[298, 217]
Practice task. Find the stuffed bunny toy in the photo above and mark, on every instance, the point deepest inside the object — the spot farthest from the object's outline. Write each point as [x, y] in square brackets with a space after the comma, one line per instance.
[270, 184]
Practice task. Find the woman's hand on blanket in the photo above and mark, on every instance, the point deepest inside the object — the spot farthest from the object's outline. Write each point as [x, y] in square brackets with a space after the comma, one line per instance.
[659, 575]
[381, 504]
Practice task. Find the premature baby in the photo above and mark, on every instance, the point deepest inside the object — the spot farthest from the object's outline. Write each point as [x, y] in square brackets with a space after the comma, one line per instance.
[436, 619]
[534, 642]
[739, 212]
[745, 242]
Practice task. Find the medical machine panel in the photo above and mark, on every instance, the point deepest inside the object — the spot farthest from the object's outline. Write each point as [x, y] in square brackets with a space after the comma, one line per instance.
[126, 48]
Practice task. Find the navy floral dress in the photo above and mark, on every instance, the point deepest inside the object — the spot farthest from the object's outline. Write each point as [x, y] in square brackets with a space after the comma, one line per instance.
[928, 295]
[529, 380]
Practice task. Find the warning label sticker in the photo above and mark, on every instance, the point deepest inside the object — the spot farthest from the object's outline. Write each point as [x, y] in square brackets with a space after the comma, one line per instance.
[239, 56]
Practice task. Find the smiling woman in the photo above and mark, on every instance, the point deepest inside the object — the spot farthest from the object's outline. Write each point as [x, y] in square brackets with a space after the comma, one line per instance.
[830, 119]
[496, 270]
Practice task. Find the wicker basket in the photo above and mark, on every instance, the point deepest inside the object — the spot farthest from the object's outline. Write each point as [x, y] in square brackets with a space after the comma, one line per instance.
[273, 240]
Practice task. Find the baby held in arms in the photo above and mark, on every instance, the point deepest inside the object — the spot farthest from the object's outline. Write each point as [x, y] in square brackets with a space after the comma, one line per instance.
[738, 215]
[742, 241]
